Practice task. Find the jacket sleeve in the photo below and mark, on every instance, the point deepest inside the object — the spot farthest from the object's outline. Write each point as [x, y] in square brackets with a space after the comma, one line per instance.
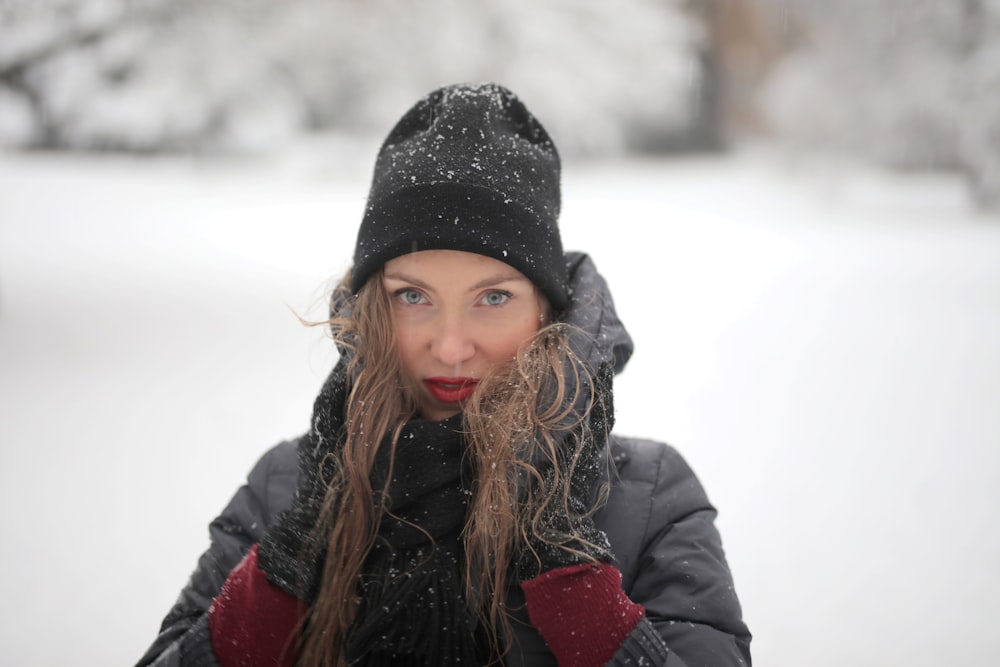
[184, 638]
[680, 574]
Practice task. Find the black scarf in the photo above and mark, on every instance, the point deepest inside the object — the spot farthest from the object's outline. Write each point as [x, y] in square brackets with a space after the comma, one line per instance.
[413, 609]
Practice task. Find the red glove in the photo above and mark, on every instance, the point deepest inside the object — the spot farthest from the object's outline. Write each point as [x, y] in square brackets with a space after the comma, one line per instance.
[252, 621]
[581, 612]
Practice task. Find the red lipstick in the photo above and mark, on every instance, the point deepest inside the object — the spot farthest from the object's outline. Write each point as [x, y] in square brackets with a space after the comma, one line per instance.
[451, 390]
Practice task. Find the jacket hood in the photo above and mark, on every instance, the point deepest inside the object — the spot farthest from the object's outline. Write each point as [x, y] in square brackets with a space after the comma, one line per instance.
[597, 336]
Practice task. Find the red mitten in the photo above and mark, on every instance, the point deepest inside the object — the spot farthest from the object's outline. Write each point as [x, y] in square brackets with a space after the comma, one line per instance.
[252, 621]
[581, 612]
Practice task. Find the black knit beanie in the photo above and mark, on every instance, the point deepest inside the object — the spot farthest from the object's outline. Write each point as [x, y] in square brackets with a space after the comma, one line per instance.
[467, 168]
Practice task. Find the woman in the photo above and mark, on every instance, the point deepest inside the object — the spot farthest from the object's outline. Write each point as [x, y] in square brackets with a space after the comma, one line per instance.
[459, 498]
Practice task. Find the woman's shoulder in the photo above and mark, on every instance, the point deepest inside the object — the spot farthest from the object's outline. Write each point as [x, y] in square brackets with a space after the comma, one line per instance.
[643, 460]
[273, 479]
[651, 485]
[281, 459]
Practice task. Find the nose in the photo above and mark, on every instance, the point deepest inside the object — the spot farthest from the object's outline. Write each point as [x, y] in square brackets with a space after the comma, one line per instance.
[452, 343]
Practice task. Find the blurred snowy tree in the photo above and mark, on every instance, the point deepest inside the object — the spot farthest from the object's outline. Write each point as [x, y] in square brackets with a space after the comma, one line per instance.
[155, 75]
[910, 83]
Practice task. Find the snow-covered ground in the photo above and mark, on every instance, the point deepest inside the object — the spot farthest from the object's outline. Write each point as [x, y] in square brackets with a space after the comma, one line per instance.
[822, 342]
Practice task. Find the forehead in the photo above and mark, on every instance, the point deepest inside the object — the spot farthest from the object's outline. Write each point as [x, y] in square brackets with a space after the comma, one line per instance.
[456, 263]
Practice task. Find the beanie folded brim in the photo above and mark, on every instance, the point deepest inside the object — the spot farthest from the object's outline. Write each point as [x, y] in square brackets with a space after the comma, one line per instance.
[467, 217]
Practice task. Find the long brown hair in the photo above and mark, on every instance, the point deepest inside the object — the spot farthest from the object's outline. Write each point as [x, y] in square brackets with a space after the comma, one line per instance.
[515, 420]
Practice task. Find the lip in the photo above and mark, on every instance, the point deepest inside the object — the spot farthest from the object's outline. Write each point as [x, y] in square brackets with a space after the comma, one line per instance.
[451, 390]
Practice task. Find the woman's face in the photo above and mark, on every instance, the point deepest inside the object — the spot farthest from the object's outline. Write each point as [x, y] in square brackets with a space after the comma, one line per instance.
[456, 316]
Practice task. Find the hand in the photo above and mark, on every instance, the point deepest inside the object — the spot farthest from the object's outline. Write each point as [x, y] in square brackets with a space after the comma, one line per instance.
[566, 534]
[252, 621]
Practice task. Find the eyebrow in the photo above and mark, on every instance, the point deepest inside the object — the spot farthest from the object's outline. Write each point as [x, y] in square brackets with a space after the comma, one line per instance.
[489, 281]
[499, 278]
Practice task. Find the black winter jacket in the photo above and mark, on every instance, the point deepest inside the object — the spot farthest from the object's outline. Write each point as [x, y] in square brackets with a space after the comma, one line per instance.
[658, 520]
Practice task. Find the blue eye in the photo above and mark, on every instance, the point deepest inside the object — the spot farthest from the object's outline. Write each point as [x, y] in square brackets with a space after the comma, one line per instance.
[497, 298]
[410, 297]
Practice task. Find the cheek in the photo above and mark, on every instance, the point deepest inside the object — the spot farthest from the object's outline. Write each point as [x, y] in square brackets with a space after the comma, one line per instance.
[407, 346]
[507, 341]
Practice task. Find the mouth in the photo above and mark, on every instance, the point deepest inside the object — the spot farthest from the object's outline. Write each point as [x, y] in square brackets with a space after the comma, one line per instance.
[451, 390]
